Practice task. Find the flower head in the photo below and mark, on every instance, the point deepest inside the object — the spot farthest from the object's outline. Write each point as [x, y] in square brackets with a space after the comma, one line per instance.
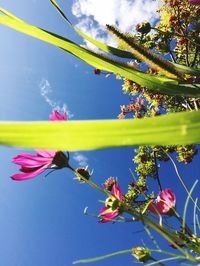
[112, 205]
[165, 201]
[56, 116]
[109, 183]
[33, 165]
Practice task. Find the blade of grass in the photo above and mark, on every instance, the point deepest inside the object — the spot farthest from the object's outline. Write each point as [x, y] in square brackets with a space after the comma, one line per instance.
[186, 204]
[176, 128]
[106, 48]
[160, 84]
[181, 179]
[194, 217]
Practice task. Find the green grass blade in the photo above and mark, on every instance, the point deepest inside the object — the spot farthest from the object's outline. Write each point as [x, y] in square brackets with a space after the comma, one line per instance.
[186, 204]
[178, 128]
[103, 257]
[163, 260]
[187, 70]
[194, 217]
[151, 237]
[159, 84]
[100, 45]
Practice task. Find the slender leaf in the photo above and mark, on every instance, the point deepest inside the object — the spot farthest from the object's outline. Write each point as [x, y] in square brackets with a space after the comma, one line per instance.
[186, 204]
[106, 48]
[179, 128]
[163, 260]
[160, 84]
[194, 217]
[103, 257]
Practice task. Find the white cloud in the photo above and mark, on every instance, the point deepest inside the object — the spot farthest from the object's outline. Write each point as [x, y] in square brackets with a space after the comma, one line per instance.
[93, 15]
[46, 93]
[81, 159]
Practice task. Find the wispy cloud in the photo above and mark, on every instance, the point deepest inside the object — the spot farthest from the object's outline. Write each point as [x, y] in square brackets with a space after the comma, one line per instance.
[46, 93]
[93, 15]
[81, 159]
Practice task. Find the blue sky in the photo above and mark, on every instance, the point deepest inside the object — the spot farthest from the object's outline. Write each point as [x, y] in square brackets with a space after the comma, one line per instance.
[42, 220]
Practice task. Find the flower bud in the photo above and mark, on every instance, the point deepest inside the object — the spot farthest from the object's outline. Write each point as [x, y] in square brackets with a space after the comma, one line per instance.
[144, 27]
[97, 71]
[81, 171]
[141, 254]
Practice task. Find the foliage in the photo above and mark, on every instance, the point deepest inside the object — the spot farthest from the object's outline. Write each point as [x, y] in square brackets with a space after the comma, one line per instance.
[162, 80]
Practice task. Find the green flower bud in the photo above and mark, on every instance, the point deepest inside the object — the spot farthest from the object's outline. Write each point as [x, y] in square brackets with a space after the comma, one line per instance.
[141, 254]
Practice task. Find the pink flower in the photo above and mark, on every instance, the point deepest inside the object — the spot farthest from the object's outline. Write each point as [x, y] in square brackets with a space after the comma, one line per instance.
[56, 116]
[194, 2]
[33, 165]
[165, 201]
[112, 205]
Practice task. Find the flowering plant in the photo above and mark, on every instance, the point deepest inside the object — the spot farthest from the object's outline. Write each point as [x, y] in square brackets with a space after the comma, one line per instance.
[162, 82]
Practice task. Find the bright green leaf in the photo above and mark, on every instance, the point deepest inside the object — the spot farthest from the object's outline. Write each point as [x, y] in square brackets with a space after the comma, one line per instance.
[178, 128]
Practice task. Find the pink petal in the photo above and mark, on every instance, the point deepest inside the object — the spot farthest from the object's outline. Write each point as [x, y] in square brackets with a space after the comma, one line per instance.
[28, 160]
[46, 153]
[56, 116]
[116, 192]
[109, 216]
[25, 176]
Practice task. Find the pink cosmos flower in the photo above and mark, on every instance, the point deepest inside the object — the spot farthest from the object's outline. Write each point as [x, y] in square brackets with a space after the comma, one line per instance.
[56, 116]
[165, 201]
[112, 205]
[194, 2]
[33, 165]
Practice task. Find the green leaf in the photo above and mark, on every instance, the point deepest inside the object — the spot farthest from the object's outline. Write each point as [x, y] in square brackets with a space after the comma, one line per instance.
[187, 70]
[159, 84]
[177, 128]
[106, 48]
[186, 204]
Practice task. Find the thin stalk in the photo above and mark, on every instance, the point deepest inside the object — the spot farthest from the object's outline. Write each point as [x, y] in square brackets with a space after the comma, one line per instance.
[157, 175]
[156, 261]
[170, 237]
[194, 217]
[172, 57]
[195, 57]
[181, 179]
[163, 260]
[103, 257]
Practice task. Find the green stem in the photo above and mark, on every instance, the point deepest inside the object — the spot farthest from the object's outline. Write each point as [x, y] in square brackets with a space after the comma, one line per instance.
[181, 179]
[103, 257]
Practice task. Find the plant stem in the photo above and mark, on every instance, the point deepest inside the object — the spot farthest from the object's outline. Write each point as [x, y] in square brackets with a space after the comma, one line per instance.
[181, 179]
[157, 175]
